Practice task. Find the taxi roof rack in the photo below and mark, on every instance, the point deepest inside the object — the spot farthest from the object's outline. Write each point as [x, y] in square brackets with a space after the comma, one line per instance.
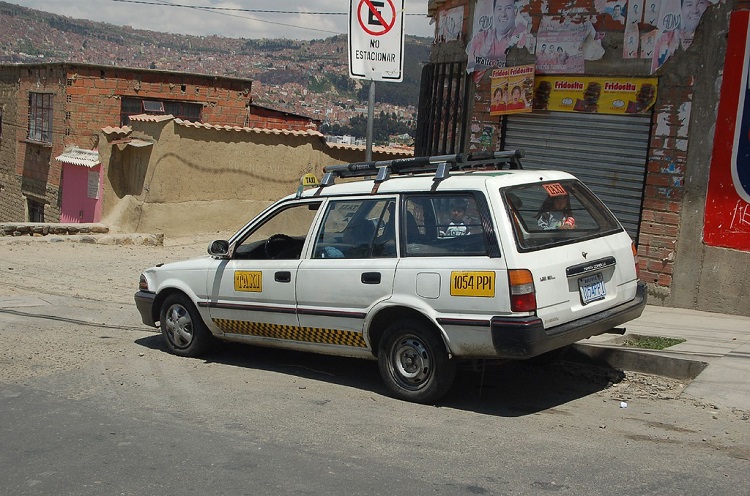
[440, 164]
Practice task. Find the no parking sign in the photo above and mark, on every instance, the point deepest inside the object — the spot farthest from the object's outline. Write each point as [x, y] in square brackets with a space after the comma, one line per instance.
[376, 39]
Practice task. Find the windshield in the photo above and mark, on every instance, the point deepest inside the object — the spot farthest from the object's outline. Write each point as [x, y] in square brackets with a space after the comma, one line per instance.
[558, 212]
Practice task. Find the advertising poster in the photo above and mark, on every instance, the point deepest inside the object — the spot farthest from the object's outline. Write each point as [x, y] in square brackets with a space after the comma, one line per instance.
[560, 45]
[512, 90]
[675, 26]
[631, 42]
[648, 40]
[497, 26]
[483, 137]
[635, 11]
[600, 95]
[450, 23]
[651, 12]
[617, 10]
[727, 217]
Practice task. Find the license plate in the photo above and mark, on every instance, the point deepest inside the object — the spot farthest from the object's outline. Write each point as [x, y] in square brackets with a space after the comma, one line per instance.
[248, 281]
[592, 288]
[480, 284]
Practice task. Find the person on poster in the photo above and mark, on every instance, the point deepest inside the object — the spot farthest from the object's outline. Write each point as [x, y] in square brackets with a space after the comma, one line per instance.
[667, 42]
[617, 13]
[498, 103]
[488, 47]
[517, 101]
[692, 11]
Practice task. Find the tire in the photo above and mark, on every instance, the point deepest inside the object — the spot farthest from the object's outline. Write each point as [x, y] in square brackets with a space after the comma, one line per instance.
[414, 363]
[184, 332]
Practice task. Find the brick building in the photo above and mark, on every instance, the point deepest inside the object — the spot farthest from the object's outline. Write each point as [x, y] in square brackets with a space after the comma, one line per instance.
[51, 116]
[268, 118]
[634, 97]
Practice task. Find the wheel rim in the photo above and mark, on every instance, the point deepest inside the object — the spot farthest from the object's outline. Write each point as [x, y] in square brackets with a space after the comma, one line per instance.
[411, 363]
[179, 326]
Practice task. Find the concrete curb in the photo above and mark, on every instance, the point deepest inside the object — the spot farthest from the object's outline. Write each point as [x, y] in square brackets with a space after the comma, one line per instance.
[637, 360]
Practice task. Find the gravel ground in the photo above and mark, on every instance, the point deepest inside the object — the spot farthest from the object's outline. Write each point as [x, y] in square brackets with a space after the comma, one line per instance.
[37, 269]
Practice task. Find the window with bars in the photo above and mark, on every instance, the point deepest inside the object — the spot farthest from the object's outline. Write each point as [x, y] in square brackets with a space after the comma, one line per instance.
[181, 110]
[36, 210]
[40, 117]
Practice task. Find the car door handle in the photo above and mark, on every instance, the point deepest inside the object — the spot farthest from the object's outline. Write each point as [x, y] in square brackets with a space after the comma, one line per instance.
[371, 278]
[284, 276]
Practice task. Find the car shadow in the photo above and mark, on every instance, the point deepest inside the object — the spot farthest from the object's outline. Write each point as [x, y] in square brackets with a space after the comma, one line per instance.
[505, 389]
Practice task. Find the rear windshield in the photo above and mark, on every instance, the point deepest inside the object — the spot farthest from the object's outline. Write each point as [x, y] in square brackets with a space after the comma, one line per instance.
[558, 212]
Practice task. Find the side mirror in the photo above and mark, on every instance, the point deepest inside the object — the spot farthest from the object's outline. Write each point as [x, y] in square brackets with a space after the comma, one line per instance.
[219, 248]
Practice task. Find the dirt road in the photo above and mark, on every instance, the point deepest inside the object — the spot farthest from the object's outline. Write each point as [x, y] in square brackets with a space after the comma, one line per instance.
[70, 329]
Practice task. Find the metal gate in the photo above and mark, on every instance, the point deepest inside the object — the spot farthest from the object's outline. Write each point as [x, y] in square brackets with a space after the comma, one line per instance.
[441, 119]
[608, 153]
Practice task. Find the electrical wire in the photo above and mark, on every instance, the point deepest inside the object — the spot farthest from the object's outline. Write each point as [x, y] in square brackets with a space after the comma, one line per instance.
[226, 11]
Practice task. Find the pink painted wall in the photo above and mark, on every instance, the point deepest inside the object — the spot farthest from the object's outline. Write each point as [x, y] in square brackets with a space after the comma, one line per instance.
[77, 207]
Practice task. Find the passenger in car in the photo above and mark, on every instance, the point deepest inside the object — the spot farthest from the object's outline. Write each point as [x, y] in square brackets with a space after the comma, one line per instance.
[556, 213]
[457, 226]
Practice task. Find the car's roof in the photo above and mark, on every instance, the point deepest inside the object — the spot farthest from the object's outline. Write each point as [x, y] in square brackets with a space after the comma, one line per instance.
[470, 180]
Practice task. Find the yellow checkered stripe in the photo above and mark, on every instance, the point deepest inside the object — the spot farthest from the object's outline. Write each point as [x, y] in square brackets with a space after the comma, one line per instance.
[292, 333]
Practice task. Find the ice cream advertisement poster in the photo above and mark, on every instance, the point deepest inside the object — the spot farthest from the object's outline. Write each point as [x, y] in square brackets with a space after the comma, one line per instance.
[599, 95]
[512, 90]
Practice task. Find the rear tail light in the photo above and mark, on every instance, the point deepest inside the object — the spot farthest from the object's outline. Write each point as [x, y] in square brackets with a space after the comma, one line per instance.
[522, 295]
[635, 258]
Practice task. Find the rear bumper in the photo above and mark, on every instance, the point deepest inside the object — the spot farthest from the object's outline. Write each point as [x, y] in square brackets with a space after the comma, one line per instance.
[527, 337]
[144, 302]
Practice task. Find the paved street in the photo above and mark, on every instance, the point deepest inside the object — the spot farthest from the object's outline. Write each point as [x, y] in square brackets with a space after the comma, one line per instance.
[92, 404]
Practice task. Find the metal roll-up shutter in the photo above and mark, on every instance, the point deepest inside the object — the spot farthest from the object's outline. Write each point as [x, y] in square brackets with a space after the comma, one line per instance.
[608, 153]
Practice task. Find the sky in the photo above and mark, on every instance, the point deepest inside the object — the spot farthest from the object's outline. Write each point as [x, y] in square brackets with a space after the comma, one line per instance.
[182, 17]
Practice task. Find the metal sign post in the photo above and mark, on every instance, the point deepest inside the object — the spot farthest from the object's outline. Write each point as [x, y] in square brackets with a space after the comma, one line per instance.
[376, 47]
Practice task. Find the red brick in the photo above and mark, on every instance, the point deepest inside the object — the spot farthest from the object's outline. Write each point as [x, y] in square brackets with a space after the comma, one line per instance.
[658, 179]
[667, 218]
[664, 280]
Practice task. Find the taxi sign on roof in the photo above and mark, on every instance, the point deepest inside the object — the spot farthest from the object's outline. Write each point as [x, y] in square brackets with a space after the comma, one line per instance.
[376, 39]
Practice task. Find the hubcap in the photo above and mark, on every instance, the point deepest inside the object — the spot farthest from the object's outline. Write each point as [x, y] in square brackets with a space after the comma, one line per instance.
[411, 360]
[179, 326]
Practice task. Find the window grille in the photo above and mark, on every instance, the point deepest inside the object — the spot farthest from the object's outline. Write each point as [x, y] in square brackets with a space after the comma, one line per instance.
[36, 210]
[181, 110]
[40, 117]
[441, 121]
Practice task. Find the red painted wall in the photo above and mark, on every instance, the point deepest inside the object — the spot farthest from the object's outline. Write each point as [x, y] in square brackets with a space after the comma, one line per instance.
[727, 218]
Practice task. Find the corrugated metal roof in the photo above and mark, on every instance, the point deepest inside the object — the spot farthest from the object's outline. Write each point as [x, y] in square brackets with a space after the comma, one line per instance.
[151, 118]
[80, 156]
[402, 152]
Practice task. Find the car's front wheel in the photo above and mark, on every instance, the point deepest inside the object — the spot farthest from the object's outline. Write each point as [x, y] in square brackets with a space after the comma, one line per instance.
[414, 363]
[184, 331]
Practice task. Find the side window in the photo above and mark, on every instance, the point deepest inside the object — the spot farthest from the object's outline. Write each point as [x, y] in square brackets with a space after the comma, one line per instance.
[362, 228]
[445, 225]
[40, 117]
[281, 236]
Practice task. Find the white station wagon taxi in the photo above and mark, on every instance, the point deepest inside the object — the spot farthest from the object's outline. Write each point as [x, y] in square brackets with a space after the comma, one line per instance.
[421, 264]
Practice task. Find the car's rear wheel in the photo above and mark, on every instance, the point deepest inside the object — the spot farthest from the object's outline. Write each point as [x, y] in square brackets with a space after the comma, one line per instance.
[414, 363]
[184, 331]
